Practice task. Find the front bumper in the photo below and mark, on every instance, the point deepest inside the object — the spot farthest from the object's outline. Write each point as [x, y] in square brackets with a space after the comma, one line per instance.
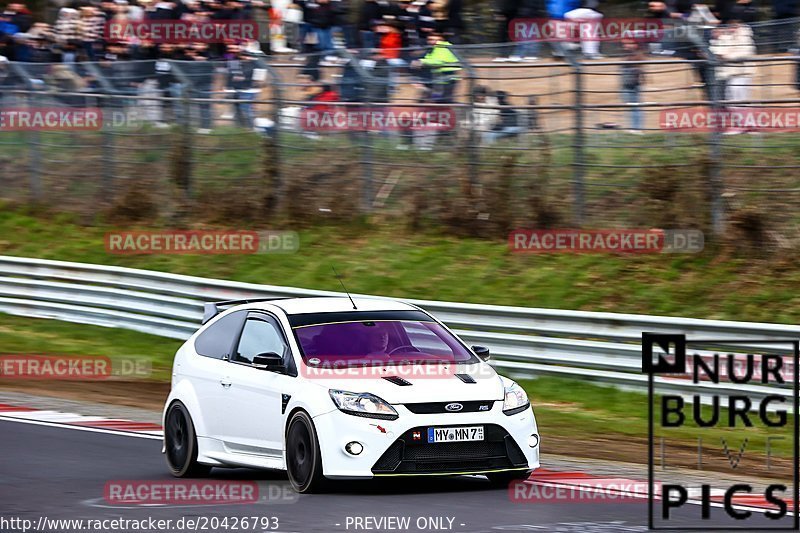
[390, 450]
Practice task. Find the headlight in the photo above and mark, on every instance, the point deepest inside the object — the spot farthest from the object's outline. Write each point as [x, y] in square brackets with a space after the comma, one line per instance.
[516, 400]
[363, 404]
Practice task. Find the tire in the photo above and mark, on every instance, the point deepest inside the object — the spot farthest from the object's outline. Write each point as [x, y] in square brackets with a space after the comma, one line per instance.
[180, 443]
[503, 479]
[303, 458]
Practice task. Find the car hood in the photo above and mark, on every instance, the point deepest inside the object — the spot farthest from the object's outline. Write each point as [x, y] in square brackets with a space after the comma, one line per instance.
[417, 383]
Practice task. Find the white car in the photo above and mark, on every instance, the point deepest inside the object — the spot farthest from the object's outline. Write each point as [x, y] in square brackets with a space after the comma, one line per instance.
[334, 388]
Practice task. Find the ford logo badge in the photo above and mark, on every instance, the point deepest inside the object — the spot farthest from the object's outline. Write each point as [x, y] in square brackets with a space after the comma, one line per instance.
[453, 407]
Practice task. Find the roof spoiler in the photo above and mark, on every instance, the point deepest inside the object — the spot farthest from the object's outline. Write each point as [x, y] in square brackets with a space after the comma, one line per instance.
[211, 309]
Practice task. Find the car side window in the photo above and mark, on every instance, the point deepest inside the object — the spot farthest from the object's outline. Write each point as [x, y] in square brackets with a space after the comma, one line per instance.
[261, 334]
[216, 340]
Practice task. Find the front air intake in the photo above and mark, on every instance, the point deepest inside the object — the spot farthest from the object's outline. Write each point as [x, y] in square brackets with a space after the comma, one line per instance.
[397, 380]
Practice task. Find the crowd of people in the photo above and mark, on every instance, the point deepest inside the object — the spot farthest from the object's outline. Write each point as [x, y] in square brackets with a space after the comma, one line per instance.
[77, 32]
[384, 39]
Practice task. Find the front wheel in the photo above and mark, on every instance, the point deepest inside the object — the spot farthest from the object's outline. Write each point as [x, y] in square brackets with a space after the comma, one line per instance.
[502, 479]
[180, 443]
[303, 458]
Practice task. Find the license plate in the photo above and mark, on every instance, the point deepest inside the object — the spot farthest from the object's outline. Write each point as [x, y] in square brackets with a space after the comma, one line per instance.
[463, 434]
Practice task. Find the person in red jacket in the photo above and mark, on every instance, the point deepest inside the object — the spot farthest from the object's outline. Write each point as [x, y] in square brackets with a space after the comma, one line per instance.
[324, 94]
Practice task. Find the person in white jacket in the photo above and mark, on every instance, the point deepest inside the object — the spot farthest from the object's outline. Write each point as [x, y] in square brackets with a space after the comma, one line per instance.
[587, 14]
[733, 45]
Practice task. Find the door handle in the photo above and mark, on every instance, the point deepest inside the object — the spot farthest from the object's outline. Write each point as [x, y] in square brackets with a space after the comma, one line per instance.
[225, 382]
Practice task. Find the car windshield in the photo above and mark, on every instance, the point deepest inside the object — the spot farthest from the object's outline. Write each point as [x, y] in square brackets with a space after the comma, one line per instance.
[379, 339]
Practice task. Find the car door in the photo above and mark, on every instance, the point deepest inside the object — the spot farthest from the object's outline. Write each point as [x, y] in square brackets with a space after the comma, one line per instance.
[253, 423]
[208, 369]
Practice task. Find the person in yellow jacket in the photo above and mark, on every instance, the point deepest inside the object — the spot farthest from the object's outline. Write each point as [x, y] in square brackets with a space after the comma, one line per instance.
[441, 67]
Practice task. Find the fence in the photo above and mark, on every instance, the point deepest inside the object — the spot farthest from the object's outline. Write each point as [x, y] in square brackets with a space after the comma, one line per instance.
[525, 342]
[182, 139]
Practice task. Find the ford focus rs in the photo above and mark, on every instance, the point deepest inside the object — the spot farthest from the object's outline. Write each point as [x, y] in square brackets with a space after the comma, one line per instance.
[334, 388]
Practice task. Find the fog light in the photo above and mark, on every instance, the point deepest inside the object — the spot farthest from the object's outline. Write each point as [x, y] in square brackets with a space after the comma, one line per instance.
[533, 440]
[354, 448]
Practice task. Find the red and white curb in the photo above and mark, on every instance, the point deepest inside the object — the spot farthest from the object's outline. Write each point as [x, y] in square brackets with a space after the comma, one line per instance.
[629, 488]
[16, 413]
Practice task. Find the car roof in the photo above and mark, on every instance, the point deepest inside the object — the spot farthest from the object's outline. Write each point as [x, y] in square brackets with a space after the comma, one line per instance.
[335, 304]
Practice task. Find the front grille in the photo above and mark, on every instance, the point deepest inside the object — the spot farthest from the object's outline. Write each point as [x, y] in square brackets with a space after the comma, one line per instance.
[416, 456]
[462, 450]
[441, 407]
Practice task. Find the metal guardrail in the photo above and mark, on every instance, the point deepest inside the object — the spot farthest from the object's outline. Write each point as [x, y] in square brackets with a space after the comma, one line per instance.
[524, 341]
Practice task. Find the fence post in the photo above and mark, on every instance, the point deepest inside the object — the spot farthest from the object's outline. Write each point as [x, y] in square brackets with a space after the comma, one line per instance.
[33, 139]
[578, 155]
[181, 171]
[366, 165]
[715, 182]
[106, 103]
[473, 156]
[274, 200]
[365, 139]
[34, 144]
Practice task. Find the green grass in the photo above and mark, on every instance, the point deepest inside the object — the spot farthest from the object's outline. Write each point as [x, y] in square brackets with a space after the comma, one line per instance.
[386, 260]
[19, 335]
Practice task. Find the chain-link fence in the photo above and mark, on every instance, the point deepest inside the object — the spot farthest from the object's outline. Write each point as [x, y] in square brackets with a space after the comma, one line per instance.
[559, 141]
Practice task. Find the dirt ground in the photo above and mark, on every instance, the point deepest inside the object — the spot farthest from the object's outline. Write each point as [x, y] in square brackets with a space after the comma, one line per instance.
[553, 84]
[152, 394]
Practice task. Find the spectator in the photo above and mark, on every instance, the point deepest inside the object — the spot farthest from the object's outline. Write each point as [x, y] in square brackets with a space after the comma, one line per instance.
[507, 124]
[505, 12]
[425, 23]
[590, 14]
[485, 113]
[732, 45]
[745, 11]
[784, 11]
[91, 27]
[240, 83]
[20, 17]
[528, 51]
[632, 79]
[454, 26]
[321, 16]
[66, 28]
[440, 69]
[369, 14]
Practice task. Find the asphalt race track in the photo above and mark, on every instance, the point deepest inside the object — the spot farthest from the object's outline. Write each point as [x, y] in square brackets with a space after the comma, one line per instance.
[61, 474]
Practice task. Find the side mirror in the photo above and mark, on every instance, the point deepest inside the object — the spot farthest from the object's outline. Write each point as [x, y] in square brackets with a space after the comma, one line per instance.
[482, 352]
[269, 361]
